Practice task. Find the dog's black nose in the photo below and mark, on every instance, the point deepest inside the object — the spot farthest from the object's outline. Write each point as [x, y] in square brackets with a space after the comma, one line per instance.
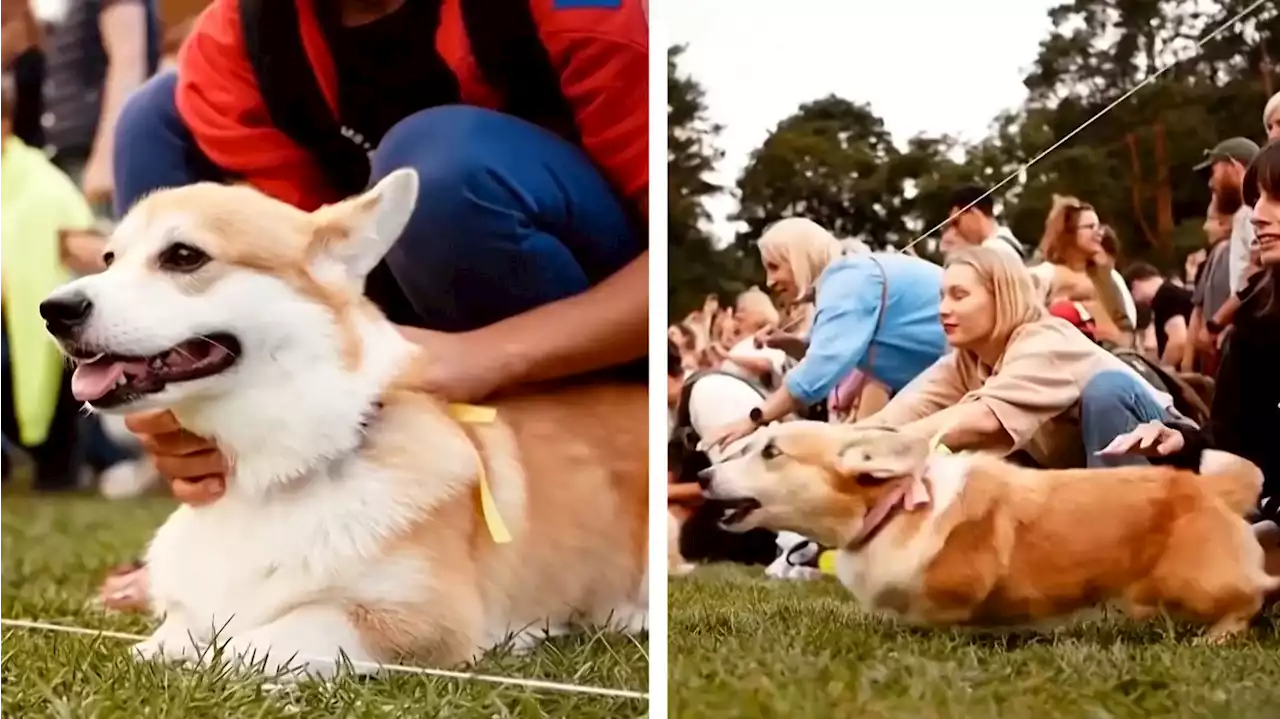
[64, 313]
[704, 477]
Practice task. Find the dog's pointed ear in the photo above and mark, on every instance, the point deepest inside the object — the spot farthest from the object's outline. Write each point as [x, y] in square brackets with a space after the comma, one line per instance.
[359, 231]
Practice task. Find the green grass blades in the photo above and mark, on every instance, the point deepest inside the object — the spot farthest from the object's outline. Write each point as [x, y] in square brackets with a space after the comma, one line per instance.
[745, 646]
[55, 552]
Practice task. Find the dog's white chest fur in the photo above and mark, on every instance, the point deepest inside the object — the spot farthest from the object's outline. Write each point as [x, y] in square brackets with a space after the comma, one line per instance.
[241, 563]
[887, 570]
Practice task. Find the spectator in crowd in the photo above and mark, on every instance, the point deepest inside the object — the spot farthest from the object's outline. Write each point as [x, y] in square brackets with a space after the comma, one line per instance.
[1110, 243]
[1271, 118]
[756, 315]
[977, 224]
[1213, 286]
[41, 211]
[1078, 268]
[1246, 403]
[794, 252]
[529, 134]
[875, 312]
[98, 53]
[1019, 381]
[1226, 164]
[1191, 268]
[1170, 308]
[24, 60]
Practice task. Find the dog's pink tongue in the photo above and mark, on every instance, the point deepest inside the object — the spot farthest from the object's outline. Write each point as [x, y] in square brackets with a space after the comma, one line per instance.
[92, 380]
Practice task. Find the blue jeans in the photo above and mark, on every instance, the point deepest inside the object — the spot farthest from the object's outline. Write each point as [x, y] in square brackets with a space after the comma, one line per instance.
[1113, 403]
[509, 215]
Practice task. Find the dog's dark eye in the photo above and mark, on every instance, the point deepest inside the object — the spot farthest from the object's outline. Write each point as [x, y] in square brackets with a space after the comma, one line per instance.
[108, 258]
[181, 257]
[770, 451]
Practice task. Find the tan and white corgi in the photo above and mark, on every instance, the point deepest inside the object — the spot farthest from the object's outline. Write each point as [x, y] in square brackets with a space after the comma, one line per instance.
[352, 522]
[937, 539]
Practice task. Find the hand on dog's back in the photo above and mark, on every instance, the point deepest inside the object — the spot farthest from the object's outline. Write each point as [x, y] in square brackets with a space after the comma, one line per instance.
[192, 465]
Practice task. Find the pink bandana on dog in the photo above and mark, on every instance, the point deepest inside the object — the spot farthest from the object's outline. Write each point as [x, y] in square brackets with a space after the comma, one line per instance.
[910, 493]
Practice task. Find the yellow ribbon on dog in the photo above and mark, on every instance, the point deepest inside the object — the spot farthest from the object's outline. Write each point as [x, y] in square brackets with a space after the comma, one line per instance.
[936, 446]
[474, 414]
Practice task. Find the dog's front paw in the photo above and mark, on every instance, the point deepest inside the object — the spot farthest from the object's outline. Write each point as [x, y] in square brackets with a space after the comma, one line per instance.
[167, 645]
[259, 652]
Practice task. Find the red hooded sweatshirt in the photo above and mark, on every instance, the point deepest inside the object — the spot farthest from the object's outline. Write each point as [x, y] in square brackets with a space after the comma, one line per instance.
[602, 54]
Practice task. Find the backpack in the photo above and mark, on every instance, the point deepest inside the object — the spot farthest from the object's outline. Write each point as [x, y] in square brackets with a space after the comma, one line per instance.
[1185, 398]
[504, 44]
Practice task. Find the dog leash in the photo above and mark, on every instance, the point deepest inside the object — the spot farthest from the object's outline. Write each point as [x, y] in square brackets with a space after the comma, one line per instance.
[475, 414]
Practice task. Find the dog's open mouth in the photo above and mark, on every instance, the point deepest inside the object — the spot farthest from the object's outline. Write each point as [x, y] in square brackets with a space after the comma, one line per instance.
[736, 511]
[108, 380]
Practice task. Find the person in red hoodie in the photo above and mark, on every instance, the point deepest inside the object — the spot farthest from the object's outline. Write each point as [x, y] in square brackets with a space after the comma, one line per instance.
[527, 122]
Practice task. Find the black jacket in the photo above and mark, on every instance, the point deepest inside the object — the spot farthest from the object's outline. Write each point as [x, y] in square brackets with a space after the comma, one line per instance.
[1245, 418]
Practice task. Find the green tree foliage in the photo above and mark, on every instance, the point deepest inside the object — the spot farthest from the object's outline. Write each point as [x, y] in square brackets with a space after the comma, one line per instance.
[697, 266]
[834, 161]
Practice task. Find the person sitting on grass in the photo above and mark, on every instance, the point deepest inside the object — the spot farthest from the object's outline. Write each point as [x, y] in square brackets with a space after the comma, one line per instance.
[875, 312]
[1019, 380]
[529, 133]
[1170, 307]
[1245, 418]
[755, 315]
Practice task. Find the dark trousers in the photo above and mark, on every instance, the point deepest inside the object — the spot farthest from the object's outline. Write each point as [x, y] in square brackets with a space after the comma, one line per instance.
[57, 458]
[509, 215]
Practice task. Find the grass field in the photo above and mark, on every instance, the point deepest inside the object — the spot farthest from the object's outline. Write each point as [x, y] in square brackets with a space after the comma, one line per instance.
[55, 551]
[741, 645]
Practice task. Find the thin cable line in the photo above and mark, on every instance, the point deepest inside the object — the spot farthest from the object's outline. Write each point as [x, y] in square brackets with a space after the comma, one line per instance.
[1199, 44]
[539, 684]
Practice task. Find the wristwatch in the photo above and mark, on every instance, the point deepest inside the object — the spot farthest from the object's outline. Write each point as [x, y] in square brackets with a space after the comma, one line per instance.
[756, 415]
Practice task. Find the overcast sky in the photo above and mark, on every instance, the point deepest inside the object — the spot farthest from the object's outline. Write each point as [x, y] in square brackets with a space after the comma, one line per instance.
[928, 66]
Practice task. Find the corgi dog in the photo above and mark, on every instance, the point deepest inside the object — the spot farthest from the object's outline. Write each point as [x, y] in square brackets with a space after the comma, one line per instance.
[937, 539]
[352, 524]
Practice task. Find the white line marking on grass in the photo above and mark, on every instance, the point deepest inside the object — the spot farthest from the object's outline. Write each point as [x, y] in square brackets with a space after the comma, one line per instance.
[438, 673]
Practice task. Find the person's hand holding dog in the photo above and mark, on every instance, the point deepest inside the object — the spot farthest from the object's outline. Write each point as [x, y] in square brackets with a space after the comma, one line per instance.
[194, 466]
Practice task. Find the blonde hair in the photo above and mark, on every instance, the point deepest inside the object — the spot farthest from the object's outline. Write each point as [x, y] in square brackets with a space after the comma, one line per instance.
[1272, 108]
[1013, 296]
[755, 302]
[804, 246]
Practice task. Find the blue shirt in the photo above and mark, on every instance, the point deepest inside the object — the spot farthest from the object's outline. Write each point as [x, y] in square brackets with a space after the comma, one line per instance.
[910, 338]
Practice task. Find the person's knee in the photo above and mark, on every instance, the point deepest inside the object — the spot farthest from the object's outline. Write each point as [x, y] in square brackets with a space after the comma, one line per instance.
[146, 121]
[449, 147]
[1110, 389]
[147, 111]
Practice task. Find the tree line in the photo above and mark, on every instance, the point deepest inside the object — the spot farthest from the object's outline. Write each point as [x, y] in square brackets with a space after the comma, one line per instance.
[834, 161]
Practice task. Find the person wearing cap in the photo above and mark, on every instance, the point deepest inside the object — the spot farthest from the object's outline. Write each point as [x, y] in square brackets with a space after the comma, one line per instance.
[1227, 162]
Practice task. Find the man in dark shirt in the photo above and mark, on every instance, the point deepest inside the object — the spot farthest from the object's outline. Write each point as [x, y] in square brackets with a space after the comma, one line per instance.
[1170, 309]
